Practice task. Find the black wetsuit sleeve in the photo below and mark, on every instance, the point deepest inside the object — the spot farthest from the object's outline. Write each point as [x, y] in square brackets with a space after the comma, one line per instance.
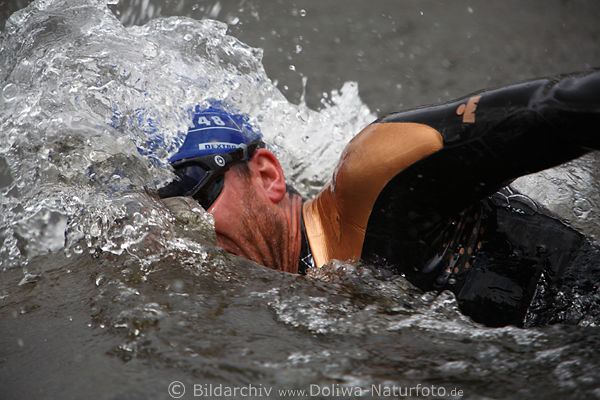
[501, 134]
[490, 138]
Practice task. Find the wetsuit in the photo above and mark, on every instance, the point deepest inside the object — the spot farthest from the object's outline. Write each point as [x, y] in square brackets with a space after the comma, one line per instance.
[418, 191]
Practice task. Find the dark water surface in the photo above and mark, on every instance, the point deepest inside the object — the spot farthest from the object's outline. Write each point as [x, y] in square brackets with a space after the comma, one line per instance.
[403, 53]
[105, 294]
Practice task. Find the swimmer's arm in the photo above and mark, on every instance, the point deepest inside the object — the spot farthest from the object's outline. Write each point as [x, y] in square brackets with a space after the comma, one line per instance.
[489, 139]
[570, 102]
[495, 136]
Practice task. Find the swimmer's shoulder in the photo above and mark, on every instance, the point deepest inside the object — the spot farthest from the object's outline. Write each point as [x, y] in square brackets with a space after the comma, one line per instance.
[337, 218]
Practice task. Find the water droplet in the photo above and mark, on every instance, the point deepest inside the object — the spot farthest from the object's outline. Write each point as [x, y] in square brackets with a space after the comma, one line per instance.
[215, 10]
[9, 92]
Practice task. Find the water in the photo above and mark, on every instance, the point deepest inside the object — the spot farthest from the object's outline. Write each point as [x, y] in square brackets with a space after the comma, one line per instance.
[106, 294]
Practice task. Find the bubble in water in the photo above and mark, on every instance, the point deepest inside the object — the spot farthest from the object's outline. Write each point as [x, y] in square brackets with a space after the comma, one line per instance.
[150, 50]
[169, 24]
[303, 13]
[279, 140]
[11, 29]
[582, 208]
[187, 37]
[9, 92]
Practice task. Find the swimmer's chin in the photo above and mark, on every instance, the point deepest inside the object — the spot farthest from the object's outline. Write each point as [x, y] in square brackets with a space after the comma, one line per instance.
[229, 246]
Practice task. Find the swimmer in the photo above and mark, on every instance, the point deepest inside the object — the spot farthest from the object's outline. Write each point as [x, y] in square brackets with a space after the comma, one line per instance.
[421, 192]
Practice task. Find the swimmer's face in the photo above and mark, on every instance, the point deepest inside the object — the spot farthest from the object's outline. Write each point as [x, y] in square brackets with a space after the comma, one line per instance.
[248, 222]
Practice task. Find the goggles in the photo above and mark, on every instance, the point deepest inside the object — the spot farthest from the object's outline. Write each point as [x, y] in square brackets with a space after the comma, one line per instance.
[202, 178]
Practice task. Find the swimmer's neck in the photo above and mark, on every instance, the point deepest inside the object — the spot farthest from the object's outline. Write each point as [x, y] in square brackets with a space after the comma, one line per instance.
[291, 207]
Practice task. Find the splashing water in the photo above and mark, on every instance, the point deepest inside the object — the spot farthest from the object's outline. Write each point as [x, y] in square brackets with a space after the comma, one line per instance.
[91, 111]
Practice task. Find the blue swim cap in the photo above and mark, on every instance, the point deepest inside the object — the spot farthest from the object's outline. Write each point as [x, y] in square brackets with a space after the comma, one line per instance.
[215, 131]
[215, 141]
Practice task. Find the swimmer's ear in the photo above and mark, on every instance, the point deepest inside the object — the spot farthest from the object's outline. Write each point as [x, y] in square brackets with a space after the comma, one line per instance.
[267, 169]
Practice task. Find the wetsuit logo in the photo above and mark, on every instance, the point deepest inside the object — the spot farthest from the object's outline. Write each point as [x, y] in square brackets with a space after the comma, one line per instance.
[468, 110]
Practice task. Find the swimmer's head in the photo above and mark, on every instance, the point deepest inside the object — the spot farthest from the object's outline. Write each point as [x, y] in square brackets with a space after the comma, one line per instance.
[216, 141]
[221, 164]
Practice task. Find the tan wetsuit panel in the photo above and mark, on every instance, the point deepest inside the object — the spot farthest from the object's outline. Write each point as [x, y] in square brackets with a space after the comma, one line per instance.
[336, 220]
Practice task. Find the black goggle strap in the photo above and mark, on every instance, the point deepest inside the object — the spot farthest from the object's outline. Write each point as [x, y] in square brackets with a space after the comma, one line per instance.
[214, 164]
[225, 160]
